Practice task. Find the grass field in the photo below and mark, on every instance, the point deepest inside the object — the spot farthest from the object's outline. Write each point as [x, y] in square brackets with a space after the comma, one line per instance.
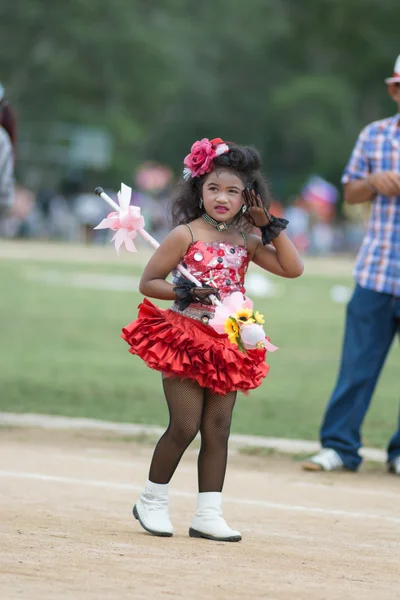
[61, 352]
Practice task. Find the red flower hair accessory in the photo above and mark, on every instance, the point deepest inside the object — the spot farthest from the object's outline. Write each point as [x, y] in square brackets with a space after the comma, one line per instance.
[201, 157]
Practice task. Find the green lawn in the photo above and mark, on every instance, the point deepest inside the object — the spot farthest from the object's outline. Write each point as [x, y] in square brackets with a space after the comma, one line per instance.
[61, 354]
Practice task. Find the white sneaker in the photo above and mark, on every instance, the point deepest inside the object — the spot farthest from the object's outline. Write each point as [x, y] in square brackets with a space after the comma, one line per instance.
[394, 466]
[152, 510]
[326, 460]
[208, 521]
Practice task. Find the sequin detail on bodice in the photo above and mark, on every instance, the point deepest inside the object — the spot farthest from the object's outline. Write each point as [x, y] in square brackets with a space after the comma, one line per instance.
[217, 264]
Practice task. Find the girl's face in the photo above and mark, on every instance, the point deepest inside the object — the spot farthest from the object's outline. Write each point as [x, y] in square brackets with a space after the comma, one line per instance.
[222, 195]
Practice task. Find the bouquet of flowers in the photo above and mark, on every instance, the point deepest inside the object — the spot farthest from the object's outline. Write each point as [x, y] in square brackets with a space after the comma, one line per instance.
[243, 325]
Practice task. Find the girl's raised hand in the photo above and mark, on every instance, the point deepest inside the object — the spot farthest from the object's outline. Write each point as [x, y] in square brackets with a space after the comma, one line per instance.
[255, 213]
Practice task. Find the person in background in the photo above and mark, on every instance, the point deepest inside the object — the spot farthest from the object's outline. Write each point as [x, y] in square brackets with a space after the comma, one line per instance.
[7, 153]
[373, 313]
[298, 215]
[8, 119]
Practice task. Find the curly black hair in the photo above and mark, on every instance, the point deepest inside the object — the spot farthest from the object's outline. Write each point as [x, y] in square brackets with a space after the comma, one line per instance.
[244, 161]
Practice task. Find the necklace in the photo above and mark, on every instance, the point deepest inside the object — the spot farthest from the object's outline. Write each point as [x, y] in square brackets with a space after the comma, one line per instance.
[220, 226]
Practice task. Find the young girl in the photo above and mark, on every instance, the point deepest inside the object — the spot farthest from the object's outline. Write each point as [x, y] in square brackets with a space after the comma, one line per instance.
[221, 196]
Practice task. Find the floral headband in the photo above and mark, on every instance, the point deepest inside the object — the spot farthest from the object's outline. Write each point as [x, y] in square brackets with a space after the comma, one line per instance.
[201, 157]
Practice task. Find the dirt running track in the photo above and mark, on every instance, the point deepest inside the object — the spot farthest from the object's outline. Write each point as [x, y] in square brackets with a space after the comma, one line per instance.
[67, 532]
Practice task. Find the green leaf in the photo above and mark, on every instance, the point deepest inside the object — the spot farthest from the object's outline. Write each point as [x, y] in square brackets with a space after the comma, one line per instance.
[240, 344]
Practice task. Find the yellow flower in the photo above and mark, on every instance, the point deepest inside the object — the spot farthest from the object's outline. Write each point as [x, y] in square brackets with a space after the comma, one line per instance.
[233, 339]
[259, 318]
[232, 329]
[244, 315]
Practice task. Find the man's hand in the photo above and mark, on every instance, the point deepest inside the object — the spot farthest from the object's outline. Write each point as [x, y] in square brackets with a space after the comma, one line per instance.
[386, 183]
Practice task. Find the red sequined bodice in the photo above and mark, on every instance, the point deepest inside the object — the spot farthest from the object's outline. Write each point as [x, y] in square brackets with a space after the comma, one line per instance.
[218, 264]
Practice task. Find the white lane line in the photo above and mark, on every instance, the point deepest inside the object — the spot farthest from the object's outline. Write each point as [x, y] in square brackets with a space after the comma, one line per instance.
[73, 423]
[129, 464]
[94, 281]
[348, 490]
[240, 501]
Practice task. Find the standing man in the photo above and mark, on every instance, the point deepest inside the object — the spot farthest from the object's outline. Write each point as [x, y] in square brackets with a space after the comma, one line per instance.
[373, 313]
[7, 130]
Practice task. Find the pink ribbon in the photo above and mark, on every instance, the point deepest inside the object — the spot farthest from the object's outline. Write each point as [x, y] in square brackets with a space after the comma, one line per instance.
[127, 223]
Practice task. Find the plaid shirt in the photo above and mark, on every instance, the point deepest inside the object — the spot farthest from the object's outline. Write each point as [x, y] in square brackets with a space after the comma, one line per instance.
[378, 262]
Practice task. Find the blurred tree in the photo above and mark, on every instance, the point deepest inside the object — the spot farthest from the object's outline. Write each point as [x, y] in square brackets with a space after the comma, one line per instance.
[296, 79]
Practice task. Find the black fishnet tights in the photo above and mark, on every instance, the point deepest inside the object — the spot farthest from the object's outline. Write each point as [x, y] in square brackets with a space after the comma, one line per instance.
[193, 409]
[214, 430]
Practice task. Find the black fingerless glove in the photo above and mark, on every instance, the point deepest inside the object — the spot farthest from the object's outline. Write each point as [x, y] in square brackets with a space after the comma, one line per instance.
[270, 231]
[187, 292]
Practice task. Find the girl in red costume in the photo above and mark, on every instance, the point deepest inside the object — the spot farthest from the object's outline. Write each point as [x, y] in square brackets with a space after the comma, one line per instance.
[221, 196]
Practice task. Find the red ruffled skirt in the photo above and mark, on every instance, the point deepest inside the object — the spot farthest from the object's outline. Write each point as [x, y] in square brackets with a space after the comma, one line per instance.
[186, 348]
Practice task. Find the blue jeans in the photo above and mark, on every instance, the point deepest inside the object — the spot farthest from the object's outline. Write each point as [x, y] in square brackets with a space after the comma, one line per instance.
[373, 318]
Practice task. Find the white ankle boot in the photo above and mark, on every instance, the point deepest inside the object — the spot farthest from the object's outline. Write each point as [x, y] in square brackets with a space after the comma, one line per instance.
[208, 521]
[152, 510]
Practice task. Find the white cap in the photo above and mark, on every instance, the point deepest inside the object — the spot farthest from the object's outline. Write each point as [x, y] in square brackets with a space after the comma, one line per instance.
[396, 74]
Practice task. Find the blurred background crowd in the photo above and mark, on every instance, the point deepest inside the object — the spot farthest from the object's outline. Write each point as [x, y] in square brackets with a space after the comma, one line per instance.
[95, 93]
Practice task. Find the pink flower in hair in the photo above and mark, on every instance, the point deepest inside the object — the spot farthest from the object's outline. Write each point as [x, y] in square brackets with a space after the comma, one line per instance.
[201, 156]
